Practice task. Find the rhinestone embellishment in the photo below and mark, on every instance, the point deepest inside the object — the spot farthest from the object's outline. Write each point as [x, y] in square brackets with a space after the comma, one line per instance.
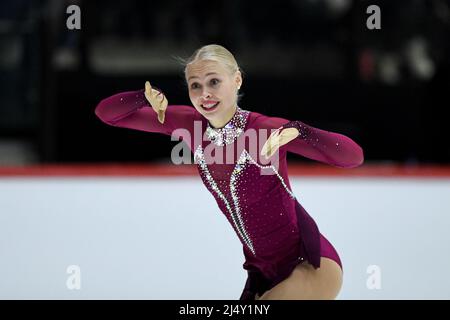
[233, 129]
[246, 156]
[235, 213]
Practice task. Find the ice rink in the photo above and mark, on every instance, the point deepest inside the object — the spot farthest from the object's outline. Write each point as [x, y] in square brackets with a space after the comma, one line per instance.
[156, 237]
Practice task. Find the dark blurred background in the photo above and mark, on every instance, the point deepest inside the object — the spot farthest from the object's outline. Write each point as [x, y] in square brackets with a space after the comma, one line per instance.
[311, 60]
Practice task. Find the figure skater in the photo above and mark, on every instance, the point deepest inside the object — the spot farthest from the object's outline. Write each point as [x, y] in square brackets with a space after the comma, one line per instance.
[286, 256]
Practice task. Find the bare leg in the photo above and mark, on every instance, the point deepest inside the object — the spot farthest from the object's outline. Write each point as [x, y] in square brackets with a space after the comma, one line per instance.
[307, 283]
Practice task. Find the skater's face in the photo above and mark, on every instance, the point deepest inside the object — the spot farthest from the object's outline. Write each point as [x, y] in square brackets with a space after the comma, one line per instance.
[213, 90]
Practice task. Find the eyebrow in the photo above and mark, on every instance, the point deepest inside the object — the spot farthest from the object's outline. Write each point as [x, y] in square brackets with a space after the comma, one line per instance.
[209, 73]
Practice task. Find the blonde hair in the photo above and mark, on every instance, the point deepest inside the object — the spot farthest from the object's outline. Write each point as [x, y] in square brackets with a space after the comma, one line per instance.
[216, 53]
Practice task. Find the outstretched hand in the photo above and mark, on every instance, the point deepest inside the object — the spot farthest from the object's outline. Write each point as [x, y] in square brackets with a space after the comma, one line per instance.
[277, 139]
[157, 100]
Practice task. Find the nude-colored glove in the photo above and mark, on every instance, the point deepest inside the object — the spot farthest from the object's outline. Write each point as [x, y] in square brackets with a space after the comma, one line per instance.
[157, 100]
[278, 139]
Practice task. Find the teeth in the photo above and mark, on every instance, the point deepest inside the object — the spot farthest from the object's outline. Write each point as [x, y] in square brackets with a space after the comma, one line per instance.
[210, 105]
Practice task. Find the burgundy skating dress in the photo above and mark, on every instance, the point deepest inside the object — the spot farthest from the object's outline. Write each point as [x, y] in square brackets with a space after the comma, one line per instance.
[254, 195]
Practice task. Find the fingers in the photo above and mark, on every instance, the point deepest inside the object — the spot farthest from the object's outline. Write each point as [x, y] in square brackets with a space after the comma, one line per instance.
[272, 144]
[161, 116]
[288, 135]
[162, 108]
[157, 101]
[278, 138]
[148, 92]
[148, 87]
[266, 150]
[151, 93]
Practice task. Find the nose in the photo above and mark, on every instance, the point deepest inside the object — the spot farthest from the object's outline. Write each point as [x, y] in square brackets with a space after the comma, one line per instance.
[205, 94]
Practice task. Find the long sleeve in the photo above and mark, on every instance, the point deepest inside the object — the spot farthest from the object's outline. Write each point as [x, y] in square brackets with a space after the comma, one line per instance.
[328, 147]
[132, 110]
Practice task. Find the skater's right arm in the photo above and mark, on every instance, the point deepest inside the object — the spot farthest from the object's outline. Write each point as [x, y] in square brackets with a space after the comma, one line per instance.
[145, 110]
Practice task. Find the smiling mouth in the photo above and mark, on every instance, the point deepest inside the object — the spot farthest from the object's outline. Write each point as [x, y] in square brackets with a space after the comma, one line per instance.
[210, 107]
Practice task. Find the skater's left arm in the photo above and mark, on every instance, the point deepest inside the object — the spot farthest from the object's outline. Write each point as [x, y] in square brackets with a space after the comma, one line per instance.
[298, 137]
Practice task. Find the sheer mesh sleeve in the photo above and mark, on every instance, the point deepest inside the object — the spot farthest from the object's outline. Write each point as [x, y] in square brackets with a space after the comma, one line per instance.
[132, 110]
[316, 144]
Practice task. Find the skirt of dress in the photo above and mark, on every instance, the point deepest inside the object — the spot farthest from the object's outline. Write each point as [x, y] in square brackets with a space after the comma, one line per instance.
[314, 246]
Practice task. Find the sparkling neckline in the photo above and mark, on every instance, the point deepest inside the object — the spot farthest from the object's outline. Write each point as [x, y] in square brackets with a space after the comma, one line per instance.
[231, 131]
